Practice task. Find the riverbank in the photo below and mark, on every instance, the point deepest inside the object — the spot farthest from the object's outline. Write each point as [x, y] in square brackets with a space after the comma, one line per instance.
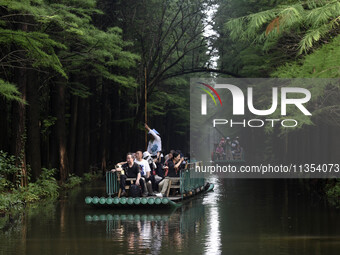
[46, 187]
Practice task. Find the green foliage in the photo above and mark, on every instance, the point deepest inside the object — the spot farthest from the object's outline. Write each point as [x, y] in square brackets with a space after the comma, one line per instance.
[72, 182]
[333, 193]
[8, 170]
[10, 91]
[285, 39]
[38, 47]
[309, 22]
[91, 176]
[322, 63]
[4, 184]
[45, 187]
[275, 35]
[7, 164]
[10, 201]
[60, 36]
[239, 52]
[47, 124]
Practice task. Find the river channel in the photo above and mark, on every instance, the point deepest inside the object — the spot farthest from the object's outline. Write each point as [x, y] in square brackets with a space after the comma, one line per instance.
[239, 217]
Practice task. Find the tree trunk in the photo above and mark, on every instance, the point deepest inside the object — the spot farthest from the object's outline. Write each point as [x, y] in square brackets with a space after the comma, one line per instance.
[86, 138]
[53, 137]
[80, 144]
[61, 132]
[4, 142]
[94, 120]
[139, 118]
[18, 128]
[18, 122]
[116, 127]
[105, 113]
[33, 128]
[73, 130]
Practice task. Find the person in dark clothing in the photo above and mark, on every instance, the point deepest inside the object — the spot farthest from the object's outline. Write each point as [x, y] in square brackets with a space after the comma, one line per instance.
[159, 172]
[159, 164]
[130, 170]
[173, 171]
[169, 156]
[174, 165]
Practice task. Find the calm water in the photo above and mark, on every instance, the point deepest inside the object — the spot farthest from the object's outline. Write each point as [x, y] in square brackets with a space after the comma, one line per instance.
[239, 217]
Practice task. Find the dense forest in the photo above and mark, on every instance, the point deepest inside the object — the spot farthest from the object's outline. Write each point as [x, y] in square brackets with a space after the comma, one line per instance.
[286, 39]
[75, 75]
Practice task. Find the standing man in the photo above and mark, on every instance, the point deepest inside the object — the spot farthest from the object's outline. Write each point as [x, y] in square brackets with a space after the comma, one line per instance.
[155, 143]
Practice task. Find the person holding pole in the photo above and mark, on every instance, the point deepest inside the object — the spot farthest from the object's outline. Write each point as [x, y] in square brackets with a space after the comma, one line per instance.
[155, 142]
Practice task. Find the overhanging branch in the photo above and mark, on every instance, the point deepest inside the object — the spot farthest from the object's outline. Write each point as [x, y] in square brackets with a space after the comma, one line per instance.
[200, 70]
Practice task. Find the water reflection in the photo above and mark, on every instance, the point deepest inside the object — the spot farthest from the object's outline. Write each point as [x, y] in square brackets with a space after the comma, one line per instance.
[239, 217]
[213, 237]
[153, 231]
[194, 226]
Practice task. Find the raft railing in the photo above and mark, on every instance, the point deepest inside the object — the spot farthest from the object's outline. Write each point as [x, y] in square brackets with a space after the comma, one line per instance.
[190, 179]
[112, 185]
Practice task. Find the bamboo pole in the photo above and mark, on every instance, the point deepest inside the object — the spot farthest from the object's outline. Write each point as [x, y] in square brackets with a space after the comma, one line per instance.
[146, 112]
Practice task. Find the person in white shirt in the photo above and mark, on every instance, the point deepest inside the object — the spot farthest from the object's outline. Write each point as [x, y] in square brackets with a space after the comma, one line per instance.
[145, 171]
[144, 165]
[155, 143]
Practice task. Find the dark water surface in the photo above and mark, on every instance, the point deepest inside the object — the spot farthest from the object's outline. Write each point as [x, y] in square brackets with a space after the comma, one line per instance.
[239, 217]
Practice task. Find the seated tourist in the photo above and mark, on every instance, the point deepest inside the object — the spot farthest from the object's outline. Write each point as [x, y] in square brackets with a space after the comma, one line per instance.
[145, 171]
[219, 152]
[169, 155]
[130, 170]
[173, 171]
[157, 172]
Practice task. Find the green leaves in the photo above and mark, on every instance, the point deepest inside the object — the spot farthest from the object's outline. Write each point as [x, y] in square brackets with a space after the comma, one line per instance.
[38, 47]
[10, 91]
[311, 22]
[60, 37]
[313, 35]
[7, 164]
[322, 63]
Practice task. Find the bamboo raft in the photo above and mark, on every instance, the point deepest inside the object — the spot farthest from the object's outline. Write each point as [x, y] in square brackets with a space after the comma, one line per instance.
[189, 185]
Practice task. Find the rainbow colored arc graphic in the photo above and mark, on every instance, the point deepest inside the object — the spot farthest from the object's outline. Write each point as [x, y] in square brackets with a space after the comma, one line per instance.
[209, 93]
